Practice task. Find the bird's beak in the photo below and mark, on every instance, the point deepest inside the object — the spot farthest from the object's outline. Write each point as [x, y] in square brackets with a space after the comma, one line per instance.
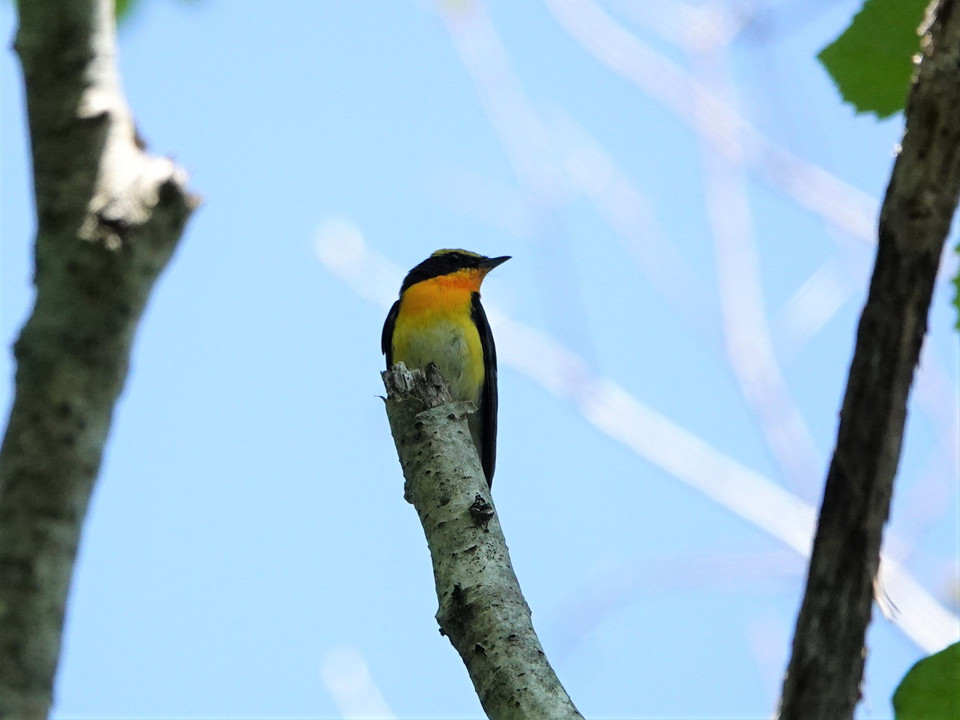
[488, 264]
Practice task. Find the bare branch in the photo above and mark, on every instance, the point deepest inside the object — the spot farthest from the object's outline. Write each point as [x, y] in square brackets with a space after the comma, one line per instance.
[482, 610]
[108, 219]
[823, 678]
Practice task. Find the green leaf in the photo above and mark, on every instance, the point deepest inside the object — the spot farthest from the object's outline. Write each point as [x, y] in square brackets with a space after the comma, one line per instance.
[931, 689]
[123, 7]
[872, 60]
[956, 289]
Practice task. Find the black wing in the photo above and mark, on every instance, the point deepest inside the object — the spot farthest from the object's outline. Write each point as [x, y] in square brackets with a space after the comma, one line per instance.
[488, 395]
[386, 338]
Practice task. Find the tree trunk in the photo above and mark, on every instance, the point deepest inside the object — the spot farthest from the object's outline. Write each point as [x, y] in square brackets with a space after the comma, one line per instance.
[826, 667]
[108, 219]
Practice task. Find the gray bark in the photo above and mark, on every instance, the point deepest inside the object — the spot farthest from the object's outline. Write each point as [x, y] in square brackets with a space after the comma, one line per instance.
[826, 667]
[108, 219]
[482, 610]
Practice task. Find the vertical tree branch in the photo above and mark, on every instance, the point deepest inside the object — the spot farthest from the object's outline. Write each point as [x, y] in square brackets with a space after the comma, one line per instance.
[823, 678]
[482, 610]
[108, 219]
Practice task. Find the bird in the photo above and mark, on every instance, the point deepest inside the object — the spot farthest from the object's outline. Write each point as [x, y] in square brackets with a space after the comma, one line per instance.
[439, 319]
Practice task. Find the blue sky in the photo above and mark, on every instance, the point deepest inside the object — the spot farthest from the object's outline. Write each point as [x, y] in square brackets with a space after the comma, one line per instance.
[248, 552]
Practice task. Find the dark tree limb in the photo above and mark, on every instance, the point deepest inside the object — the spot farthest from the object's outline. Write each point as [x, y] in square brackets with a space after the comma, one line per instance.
[826, 667]
[108, 219]
[482, 610]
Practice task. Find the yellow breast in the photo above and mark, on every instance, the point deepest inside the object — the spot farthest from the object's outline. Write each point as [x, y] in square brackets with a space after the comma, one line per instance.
[434, 325]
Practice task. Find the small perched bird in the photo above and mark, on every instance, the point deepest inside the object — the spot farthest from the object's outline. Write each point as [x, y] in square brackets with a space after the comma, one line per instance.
[439, 319]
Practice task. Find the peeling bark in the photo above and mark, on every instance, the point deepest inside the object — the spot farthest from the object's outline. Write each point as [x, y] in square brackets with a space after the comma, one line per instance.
[482, 610]
[109, 216]
[826, 667]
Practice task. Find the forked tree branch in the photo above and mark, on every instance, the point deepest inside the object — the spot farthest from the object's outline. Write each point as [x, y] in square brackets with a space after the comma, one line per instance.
[482, 610]
[108, 219]
[826, 667]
